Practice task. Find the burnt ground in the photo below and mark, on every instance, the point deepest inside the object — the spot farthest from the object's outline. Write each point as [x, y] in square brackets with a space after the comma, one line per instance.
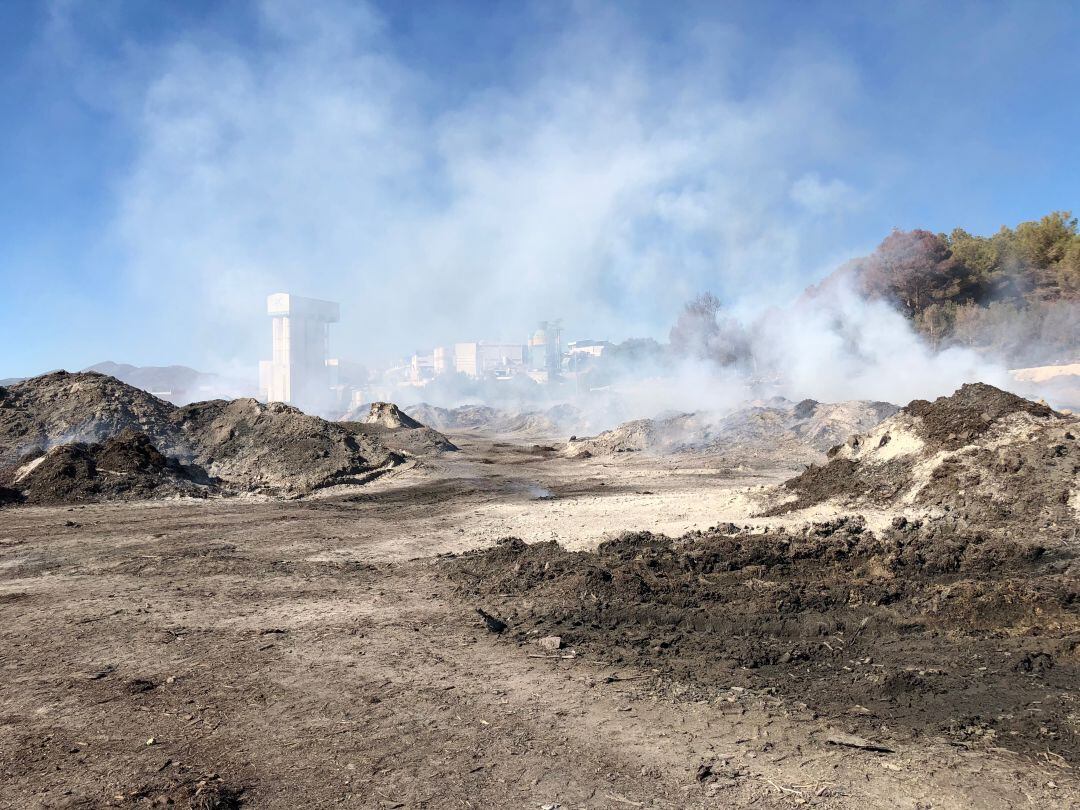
[320, 652]
[910, 634]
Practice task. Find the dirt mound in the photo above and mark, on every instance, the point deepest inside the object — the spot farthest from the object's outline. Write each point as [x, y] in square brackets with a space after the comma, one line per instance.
[655, 435]
[558, 420]
[777, 432]
[384, 422]
[923, 629]
[63, 408]
[463, 417]
[950, 422]
[420, 441]
[274, 447]
[246, 446]
[388, 415]
[983, 455]
[126, 466]
[184, 789]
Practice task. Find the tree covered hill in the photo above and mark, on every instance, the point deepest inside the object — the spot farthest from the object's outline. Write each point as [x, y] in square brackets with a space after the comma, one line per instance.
[1015, 294]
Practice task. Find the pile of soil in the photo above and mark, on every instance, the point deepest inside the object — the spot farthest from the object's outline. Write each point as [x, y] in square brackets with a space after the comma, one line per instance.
[184, 789]
[778, 432]
[558, 420]
[125, 466]
[388, 415]
[63, 408]
[982, 455]
[242, 444]
[920, 630]
[395, 429]
[463, 417]
[276, 448]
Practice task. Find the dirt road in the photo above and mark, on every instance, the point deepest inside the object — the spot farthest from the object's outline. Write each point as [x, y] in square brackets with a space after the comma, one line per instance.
[316, 654]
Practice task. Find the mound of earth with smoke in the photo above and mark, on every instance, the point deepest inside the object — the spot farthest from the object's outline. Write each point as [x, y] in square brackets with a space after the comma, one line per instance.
[982, 455]
[62, 408]
[125, 466]
[388, 415]
[239, 445]
[556, 421]
[776, 433]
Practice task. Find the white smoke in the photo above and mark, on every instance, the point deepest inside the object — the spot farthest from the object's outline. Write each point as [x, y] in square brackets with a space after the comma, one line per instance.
[592, 183]
[844, 347]
[829, 348]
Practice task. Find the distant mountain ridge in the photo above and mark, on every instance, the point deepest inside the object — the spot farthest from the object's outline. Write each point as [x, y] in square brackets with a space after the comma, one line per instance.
[177, 384]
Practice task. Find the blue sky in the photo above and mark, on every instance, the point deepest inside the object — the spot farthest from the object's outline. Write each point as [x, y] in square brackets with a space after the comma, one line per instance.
[452, 171]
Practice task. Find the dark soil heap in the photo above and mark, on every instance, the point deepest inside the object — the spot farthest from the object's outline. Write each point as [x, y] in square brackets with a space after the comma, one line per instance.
[925, 629]
[950, 422]
[988, 457]
[243, 445]
[61, 408]
[123, 466]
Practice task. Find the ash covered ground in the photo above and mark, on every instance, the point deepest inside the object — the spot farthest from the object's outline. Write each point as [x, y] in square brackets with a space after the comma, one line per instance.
[839, 605]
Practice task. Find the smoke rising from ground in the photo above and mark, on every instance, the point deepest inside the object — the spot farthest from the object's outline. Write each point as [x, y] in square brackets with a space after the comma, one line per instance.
[595, 181]
[595, 177]
[829, 348]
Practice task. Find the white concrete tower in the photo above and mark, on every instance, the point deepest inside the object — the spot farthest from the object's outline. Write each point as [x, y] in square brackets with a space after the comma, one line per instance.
[299, 372]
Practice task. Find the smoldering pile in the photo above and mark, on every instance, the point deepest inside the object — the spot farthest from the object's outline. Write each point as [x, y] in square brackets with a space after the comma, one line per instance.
[776, 433]
[126, 465]
[88, 436]
[553, 422]
[982, 456]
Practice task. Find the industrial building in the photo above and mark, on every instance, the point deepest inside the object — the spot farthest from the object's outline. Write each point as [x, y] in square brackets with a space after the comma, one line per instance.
[593, 348]
[421, 368]
[541, 358]
[545, 349]
[442, 359]
[483, 359]
[301, 372]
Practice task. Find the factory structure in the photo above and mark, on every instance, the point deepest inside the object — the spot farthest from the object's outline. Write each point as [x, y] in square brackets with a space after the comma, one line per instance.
[302, 373]
[543, 358]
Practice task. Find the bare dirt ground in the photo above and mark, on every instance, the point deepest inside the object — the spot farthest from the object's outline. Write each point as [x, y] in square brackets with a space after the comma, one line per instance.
[319, 653]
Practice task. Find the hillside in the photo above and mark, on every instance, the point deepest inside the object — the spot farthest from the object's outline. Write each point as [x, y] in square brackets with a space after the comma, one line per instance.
[1014, 294]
